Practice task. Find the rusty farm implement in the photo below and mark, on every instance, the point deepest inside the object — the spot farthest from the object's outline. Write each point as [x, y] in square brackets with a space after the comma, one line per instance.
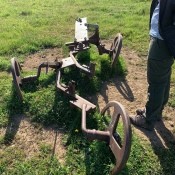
[119, 141]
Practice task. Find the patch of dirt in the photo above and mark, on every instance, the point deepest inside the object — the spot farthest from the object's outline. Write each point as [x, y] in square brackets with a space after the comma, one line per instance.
[21, 133]
[34, 60]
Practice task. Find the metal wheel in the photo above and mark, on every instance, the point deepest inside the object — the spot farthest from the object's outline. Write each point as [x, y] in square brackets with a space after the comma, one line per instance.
[117, 122]
[115, 49]
[16, 73]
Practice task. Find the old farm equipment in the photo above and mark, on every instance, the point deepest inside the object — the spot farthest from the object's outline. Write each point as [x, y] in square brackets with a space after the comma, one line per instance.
[119, 140]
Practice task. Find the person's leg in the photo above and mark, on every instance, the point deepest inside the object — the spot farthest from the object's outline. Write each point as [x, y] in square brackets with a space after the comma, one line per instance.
[158, 74]
[166, 97]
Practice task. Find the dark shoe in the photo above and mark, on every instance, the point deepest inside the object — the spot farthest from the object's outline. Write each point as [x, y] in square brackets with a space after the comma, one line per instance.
[140, 111]
[140, 121]
[143, 112]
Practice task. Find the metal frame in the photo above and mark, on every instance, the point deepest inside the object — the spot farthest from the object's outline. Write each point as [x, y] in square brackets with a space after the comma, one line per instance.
[111, 136]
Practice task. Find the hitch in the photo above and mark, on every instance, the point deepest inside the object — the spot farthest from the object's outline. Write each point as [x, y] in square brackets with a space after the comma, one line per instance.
[119, 140]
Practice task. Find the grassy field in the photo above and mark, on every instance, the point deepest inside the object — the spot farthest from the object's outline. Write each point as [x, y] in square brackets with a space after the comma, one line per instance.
[33, 25]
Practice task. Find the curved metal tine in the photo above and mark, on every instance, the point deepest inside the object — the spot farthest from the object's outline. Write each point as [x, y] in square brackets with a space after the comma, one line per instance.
[58, 81]
[16, 68]
[86, 70]
[58, 78]
[115, 46]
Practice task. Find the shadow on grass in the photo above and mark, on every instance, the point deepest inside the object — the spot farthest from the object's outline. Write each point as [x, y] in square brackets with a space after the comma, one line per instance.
[33, 86]
[124, 88]
[100, 160]
[15, 115]
[16, 108]
[12, 128]
[163, 144]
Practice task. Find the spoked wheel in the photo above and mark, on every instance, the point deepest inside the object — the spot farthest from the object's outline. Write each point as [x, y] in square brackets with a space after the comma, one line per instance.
[16, 73]
[115, 49]
[116, 121]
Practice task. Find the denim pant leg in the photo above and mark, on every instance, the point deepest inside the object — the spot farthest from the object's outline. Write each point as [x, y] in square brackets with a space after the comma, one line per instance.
[158, 76]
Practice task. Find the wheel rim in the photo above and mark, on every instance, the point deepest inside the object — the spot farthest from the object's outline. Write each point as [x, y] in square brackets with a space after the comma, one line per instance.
[115, 49]
[16, 73]
[120, 143]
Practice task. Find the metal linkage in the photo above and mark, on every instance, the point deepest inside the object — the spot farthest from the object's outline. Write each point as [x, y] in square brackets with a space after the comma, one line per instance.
[17, 78]
[117, 133]
[69, 90]
[82, 41]
[88, 70]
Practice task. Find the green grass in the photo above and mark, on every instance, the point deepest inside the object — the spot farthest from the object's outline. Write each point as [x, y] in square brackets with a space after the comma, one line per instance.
[29, 26]
[4, 64]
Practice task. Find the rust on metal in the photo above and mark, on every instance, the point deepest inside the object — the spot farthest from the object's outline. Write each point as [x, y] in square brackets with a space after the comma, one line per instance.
[18, 80]
[93, 134]
[120, 146]
[115, 49]
[76, 99]
[16, 73]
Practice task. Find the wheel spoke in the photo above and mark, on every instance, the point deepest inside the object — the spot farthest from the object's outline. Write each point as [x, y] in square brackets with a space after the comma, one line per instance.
[116, 149]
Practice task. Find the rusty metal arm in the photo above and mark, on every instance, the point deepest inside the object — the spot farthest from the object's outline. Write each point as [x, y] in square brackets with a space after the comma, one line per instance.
[54, 65]
[93, 134]
[70, 91]
[95, 39]
[88, 70]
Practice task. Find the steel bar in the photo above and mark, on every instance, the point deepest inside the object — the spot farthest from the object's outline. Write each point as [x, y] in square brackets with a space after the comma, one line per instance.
[76, 99]
[93, 134]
